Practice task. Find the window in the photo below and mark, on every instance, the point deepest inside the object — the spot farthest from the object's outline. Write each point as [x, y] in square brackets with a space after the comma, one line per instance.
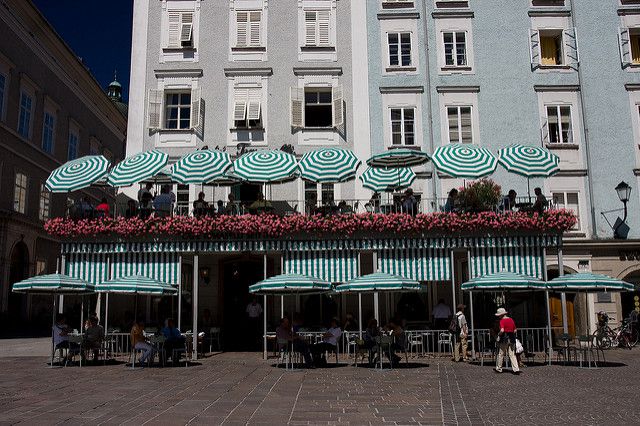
[24, 118]
[72, 149]
[182, 200]
[568, 201]
[317, 28]
[451, 4]
[174, 109]
[396, 4]
[45, 203]
[629, 44]
[553, 47]
[317, 107]
[559, 128]
[247, 108]
[547, 3]
[399, 49]
[177, 110]
[403, 126]
[20, 193]
[180, 29]
[326, 195]
[248, 31]
[3, 90]
[459, 122]
[455, 49]
[41, 267]
[48, 131]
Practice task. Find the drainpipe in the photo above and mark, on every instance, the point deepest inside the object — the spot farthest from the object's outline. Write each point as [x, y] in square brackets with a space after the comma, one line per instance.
[585, 129]
[428, 93]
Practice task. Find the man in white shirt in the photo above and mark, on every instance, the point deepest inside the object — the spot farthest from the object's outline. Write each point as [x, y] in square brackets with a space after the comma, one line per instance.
[460, 336]
[254, 313]
[441, 315]
[329, 343]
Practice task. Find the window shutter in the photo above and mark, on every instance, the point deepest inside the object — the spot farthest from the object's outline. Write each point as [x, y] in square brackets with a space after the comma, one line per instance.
[534, 47]
[254, 28]
[297, 107]
[324, 25]
[624, 43]
[254, 104]
[154, 108]
[544, 131]
[310, 23]
[242, 22]
[186, 28]
[338, 106]
[240, 104]
[570, 40]
[174, 29]
[195, 108]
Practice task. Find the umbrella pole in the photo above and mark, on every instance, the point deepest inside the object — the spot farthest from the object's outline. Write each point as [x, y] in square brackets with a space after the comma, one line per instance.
[53, 324]
[81, 314]
[106, 314]
[550, 339]
[529, 189]
[264, 311]
[376, 308]
[360, 315]
[473, 335]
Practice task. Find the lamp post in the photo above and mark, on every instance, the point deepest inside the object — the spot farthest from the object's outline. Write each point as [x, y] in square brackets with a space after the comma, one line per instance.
[624, 192]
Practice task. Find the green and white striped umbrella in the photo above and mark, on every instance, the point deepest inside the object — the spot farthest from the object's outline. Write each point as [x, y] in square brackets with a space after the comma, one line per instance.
[266, 166]
[201, 167]
[587, 281]
[137, 168]
[78, 174]
[504, 281]
[387, 180]
[380, 282]
[137, 284]
[464, 161]
[53, 283]
[398, 158]
[529, 161]
[329, 165]
[290, 284]
[229, 178]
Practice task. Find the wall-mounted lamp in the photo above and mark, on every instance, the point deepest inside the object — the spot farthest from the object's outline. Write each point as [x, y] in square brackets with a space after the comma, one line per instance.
[624, 193]
[205, 274]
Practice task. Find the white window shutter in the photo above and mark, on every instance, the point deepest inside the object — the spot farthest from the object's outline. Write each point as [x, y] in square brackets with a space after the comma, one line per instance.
[240, 104]
[254, 106]
[195, 107]
[310, 26]
[544, 131]
[338, 106]
[570, 40]
[254, 28]
[534, 47]
[154, 108]
[186, 28]
[297, 107]
[624, 43]
[242, 22]
[174, 29]
[324, 27]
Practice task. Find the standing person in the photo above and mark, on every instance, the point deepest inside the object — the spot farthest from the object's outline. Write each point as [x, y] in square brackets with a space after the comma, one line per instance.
[145, 190]
[452, 201]
[254, 312]
[409, 203]
[541, 201]
[460, 335]
[506, 342]
[509, 202]
[441, 315]
[138, 341]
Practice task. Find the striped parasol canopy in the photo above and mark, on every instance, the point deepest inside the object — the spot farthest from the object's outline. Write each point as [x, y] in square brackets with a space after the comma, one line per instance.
[590, 282]
[53, 284]
[137, 284]
[78, 174]
[137, 168]
[329, 165]
[380, 282]
[290, 284]
[398, 158]
[504, 281]
[464, 161]
[387, 180]
[229, 178]
[266, 166]
[201, 167]
[529, 161]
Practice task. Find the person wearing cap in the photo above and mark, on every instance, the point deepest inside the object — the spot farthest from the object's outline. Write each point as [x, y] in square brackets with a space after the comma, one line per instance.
[506, 341]
[460, 336]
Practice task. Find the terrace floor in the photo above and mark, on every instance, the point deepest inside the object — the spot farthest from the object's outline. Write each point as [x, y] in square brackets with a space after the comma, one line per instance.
[240, 388]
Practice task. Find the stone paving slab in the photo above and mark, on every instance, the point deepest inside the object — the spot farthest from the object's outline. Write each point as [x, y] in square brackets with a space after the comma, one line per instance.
[242, 389]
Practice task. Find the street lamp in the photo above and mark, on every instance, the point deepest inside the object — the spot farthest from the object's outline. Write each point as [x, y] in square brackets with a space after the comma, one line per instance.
[624, 192]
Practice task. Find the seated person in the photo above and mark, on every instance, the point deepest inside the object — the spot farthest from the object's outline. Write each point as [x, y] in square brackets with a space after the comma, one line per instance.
[86, 208]
[220, 207]
[371, 333]
[146, 205]
[329, 343]
[260, 205]
[200, 206]
[284, 333]
[174, 339]
[163, 203]
[509, 202]
[61, 339]
[232, 207]
[132, 209]
[399, 339]
[139, 342]
[541, 201]
[102, 209]
[409, 204]
[93, 337]
[350, 324]
[452, 202]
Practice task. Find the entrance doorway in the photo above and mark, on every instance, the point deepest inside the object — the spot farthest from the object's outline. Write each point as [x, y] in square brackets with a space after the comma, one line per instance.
[18, 271]
[555, 303]
[630, 300]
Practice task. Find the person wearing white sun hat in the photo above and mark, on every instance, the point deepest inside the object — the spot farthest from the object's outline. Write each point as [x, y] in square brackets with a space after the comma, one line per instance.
[506, 341]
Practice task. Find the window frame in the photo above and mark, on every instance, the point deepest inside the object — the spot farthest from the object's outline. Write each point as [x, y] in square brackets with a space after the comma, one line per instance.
[565, 202]
[403, 122]
[459, 123]
[249, 101]
[454, 52]
[44, 205]
[570, 133]
[20, 192]
[180, 107]
[399, 54]
[248, 35]
[29, 125]
[73, 131]
[49, 130]
[4, 93]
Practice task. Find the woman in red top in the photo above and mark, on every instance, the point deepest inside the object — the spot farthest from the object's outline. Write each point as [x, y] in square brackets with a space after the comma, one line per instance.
[506, 342]
[103, 208]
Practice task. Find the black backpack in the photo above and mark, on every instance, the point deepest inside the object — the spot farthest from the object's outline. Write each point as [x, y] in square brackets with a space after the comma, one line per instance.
[453, 325]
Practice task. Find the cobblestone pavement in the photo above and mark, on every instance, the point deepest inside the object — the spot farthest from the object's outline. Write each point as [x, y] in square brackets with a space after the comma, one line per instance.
[242, 389]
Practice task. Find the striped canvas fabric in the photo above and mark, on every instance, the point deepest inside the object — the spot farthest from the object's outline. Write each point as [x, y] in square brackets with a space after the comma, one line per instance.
[334, 266]
[525, 260]
[159, 266]
[91, 267]
[420, 264]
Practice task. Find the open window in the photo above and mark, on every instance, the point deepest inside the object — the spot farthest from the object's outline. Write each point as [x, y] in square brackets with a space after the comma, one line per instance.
[553, 47]
[247, 108]
[177, 109]
[180, 29]
[629, 44]
[317, 107]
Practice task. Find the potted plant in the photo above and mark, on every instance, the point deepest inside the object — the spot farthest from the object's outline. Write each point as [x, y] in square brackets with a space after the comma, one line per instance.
[480, 196]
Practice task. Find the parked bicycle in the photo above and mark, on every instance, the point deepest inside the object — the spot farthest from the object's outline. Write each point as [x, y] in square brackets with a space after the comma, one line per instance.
[625, 336]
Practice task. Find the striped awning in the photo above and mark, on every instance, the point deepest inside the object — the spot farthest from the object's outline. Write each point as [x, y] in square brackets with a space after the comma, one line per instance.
[421, 264]
[587, 281]
[505, 281]
[164, 267]
[266, 166]
[53, 284]
[386, 180]
[290, 284]
[525, 260]
[201, 167]
[529, 161]
[329, 165]
[137, 284]
[90, 267]
[464, 160]
[398, 158]
[380, 282]
[78, 174]
[137, 168]
[334, 266]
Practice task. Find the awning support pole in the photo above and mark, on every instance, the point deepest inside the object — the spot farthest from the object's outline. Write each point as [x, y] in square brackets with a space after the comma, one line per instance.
[563, 295]
[264, 312]
[194, 304]
[546, 296]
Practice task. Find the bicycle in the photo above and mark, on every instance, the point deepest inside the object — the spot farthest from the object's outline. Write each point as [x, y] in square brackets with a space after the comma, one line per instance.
[624, 336]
